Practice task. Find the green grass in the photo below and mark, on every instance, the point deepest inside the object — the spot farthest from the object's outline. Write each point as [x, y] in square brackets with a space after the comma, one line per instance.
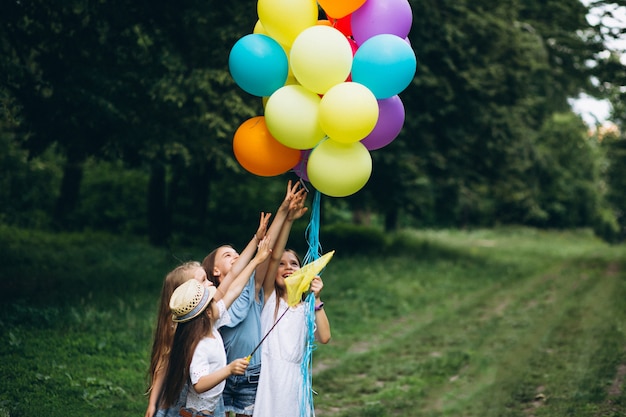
[505, 322]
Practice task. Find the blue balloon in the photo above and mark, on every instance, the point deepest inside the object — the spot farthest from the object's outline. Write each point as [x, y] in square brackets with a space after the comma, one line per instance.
[385, 64]
[258, 64]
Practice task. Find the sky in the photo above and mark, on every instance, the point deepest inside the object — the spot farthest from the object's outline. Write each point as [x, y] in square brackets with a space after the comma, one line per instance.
[598, 111]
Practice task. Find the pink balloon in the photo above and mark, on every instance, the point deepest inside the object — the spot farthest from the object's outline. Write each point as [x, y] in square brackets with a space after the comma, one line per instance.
[377, 17]
[390, 121]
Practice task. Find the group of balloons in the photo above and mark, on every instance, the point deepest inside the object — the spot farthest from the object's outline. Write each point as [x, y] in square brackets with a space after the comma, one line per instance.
[330, 88]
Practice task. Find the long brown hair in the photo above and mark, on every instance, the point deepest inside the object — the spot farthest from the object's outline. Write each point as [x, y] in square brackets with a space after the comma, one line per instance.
[165, 328]
[208, 263]
[188, 335]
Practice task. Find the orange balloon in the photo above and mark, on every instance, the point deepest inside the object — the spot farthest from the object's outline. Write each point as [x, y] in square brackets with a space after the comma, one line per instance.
[259, 153]
[340, 8]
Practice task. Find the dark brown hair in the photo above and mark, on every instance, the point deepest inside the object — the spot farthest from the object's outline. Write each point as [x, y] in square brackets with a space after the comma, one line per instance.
[186, 339]
[208, 263]
[165, 328]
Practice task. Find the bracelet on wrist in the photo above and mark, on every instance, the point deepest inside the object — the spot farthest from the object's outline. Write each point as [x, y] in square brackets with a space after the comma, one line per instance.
[319, 306]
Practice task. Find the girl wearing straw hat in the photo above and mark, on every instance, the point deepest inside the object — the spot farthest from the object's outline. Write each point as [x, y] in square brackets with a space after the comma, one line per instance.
[198, 357]
[164, 335]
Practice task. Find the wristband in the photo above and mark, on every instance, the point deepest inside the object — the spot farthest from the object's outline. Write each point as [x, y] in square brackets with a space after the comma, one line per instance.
[319, 306]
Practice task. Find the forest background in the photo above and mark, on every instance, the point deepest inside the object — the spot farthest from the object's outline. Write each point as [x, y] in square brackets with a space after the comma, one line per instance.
[119, 116]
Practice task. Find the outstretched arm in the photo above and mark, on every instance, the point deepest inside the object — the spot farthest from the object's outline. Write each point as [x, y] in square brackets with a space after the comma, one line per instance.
[240, 281]
[294, 194]
[246, 255]
[296, 210]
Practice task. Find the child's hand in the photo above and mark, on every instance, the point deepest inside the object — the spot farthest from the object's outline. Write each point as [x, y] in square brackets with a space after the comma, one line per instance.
[296, 206]
[292, 192]
[316, 286]
[238, 366]
[260, 232]
[263, 249]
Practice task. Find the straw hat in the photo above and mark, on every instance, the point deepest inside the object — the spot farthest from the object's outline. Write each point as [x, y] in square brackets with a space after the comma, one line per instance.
[189, 300]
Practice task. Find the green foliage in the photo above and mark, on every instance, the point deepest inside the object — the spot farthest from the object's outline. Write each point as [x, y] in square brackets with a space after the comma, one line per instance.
[568, 167]
[616, 178]
[45, 267]
[353, 239]
[113, 199]
[28, 186]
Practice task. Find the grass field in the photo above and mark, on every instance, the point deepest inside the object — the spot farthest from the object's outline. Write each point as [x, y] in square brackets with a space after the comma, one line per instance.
[507, 322]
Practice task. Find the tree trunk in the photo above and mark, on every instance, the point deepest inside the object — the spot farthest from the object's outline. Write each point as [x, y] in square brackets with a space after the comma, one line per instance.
[70, 190]
[391, 220]
[362, 217]
[201, 184]
[158, 215]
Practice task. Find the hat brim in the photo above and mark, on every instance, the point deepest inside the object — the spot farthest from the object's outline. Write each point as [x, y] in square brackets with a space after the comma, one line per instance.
[207, 296]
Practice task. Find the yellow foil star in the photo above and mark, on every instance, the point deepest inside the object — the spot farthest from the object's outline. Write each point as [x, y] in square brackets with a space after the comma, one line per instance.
[298, 282]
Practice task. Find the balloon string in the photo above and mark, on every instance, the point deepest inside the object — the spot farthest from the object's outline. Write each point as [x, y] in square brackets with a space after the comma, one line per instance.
[312, 233]
[306, 398]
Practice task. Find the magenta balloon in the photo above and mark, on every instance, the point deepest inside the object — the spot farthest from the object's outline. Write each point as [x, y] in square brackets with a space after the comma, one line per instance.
[390, 121]
[300, 168]
[376, 17]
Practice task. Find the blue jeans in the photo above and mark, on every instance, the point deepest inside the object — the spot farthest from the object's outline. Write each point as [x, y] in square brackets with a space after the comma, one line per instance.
[240, 391]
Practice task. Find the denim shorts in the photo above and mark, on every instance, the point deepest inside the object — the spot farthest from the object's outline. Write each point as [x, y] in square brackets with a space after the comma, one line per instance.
[168, 412]
[173, 410]
[240, 391]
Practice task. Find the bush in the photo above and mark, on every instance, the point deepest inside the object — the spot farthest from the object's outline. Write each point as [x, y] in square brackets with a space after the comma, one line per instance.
[353, 239]
[113, 199]
[607, 227]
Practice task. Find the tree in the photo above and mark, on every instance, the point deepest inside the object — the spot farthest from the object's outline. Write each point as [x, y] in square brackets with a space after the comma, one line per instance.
[489, 75]
[143, 82]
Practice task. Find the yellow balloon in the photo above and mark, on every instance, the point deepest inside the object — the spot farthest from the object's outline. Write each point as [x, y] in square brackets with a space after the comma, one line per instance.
[285, 19]
[320, 58]
[339, 169]
[348, 112]
[260, 30]
[291, 80]
[292, 117]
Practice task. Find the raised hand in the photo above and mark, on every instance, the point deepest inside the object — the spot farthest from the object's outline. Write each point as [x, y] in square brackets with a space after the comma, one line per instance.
[296, 206]
[264, 249]
[263, 222]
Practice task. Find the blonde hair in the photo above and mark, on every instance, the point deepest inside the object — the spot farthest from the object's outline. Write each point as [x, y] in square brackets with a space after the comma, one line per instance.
[165, 328]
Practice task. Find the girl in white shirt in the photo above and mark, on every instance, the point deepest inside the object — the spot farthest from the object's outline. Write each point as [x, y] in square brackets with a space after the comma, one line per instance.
[280, 392]
[198, 356]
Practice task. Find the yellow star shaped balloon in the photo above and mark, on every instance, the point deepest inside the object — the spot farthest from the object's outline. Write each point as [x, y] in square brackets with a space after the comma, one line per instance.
[298, 282]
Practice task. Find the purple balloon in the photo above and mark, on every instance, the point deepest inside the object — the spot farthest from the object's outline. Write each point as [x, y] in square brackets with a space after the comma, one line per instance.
[300, 168]
[390, 121]
[377, 17]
